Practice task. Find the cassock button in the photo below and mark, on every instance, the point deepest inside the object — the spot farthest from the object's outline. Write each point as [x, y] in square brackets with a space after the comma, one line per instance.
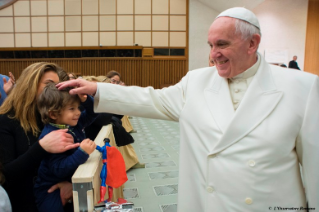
[248, 201]
[236, 90]
[235, 102]
[251, 163]
[210, 189]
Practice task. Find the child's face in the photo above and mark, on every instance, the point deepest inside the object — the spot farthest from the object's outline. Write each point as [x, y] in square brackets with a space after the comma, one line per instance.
[69, 115]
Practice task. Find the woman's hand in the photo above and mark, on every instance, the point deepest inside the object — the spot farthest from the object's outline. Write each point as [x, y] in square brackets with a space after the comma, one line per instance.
[58, 141]
[66, 191]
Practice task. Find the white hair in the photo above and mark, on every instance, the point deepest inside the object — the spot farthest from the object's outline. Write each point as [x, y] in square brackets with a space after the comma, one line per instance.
[246, 29]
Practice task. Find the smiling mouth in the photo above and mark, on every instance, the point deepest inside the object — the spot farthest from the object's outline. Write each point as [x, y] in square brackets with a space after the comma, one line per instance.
[222, 62]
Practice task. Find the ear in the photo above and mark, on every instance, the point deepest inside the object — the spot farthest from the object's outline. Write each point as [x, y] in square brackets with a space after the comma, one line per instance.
[52, 115]
[254, 44]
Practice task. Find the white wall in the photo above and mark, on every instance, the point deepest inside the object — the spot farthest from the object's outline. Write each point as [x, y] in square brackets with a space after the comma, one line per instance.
[283, 26]
[200, 19]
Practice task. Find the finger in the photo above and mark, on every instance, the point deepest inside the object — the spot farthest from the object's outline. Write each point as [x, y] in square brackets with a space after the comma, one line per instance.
[69, 136]
[4, 80]
[71, 146]
[11, 76]
[66, 84]
[53, 188]
[78, 90]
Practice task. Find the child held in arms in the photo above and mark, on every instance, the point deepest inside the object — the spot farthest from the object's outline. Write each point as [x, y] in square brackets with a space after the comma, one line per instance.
[60, 110]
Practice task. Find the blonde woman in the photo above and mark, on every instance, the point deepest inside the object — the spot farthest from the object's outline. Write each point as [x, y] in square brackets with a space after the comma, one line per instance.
[20, 150]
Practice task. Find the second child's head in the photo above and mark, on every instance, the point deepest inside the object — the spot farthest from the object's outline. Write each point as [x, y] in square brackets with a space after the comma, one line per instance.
[58, 107]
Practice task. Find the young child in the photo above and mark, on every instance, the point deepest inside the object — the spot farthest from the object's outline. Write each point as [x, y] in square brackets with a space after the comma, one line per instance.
[60, 110]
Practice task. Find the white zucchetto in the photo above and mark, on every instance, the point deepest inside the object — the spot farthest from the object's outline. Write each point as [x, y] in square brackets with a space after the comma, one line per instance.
[242, 14]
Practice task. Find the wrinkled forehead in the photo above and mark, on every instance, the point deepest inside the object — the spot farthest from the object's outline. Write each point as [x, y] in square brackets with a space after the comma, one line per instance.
[222, 23]
[222, 27]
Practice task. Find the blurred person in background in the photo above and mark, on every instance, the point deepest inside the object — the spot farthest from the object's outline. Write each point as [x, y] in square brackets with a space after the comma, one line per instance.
[6, 85]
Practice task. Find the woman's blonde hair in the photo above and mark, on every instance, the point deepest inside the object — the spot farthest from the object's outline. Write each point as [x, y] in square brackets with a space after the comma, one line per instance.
[21, 104]
[97, 79]
[104, 79]
[90, 78]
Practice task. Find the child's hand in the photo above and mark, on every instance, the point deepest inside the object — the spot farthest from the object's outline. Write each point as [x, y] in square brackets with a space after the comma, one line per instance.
[83, 97]
[88, 145]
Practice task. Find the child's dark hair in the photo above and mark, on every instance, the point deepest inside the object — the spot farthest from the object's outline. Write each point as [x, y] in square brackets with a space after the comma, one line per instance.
[53, 100]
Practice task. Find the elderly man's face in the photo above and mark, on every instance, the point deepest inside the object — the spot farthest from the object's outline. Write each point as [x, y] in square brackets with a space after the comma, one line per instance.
[231, 54]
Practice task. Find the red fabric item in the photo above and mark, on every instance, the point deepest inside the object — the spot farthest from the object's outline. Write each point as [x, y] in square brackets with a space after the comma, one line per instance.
[116, 173]
[121, 201]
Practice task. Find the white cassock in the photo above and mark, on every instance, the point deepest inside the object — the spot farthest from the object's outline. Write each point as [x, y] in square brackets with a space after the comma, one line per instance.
[245, 161]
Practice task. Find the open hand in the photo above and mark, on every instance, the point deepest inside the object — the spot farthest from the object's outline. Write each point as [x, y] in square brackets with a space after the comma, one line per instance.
[8, 85]
[58, 141]
[81, 86]
[66, 191]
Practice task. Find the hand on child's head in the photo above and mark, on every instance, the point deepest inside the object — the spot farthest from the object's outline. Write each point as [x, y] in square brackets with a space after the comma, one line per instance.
[83, 97]
[88, 145]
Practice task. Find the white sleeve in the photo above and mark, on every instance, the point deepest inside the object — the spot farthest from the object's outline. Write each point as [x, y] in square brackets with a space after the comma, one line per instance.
[307, 147]
[166, 103]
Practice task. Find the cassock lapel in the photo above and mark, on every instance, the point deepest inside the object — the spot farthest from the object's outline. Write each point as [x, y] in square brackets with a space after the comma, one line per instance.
[260, 100]
[219, 102]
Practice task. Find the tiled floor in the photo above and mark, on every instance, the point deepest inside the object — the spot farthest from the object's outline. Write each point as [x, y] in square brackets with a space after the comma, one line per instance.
[154, 188]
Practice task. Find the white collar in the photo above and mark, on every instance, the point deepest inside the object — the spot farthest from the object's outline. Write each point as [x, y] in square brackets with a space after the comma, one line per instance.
[250, 72]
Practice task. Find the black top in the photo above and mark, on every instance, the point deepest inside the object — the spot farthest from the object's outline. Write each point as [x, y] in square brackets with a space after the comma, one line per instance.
[21, 155]
[92, 130]
[293, 64]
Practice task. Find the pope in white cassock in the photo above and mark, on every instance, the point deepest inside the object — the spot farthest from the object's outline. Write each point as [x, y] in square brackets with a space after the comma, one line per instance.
[245, 125]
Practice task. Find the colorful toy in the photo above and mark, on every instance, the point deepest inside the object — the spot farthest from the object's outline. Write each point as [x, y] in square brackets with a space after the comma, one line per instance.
[113, 171]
